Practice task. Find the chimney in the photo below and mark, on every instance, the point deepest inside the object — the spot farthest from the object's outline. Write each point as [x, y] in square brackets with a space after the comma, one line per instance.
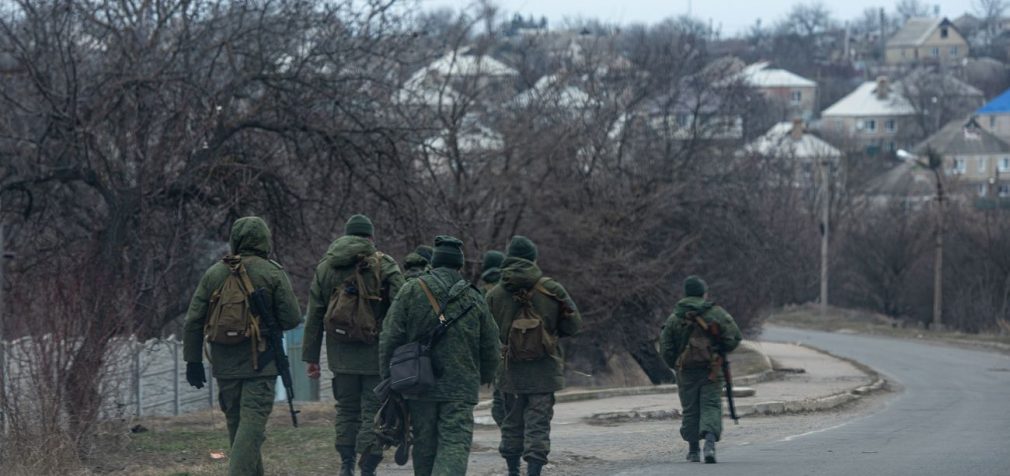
[796, 133]
[883, 88]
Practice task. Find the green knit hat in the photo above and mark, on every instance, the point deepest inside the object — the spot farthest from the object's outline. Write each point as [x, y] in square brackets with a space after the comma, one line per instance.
[448, 253]
[424, 251]
[359, 225]
[522, 247]
[694, 286]
[492, 259]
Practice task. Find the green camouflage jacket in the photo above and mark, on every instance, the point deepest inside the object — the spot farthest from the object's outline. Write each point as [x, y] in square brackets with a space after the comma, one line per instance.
[336, 266]
[250, 238]
[541, 376]
[466, 356]
[677, 330]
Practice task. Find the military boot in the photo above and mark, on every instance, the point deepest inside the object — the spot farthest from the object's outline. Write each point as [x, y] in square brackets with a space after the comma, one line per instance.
[709, 448]
[533, 468]
[369, 463]
[513, 464]
[693, 451]
[346, 460]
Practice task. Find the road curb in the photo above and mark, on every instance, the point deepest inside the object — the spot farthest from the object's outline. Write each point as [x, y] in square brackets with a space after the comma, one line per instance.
[769, 408]
[596, 394]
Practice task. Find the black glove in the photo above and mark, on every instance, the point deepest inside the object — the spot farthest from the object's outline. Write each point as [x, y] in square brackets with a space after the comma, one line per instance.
[195, 375]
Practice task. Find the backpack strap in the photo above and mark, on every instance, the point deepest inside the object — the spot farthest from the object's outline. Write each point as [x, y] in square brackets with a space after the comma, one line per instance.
[258, 343]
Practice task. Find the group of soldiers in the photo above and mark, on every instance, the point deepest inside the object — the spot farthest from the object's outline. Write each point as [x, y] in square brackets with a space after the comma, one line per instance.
[504, 332]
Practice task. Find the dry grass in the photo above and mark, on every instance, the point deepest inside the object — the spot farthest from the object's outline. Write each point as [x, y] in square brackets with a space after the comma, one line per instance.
[864, 322]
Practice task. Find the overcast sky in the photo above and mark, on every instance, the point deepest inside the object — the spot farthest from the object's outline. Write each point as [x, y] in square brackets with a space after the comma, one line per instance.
[734, 15]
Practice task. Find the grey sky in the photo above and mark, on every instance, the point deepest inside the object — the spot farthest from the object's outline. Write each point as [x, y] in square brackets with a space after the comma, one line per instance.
[734, 15]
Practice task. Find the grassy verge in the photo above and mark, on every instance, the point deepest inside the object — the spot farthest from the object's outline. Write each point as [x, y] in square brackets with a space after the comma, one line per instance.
[848, 320]
[183, 445]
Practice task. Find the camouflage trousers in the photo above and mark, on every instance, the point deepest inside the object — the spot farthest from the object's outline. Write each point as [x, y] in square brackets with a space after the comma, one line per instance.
[701, 400]
[443, 432]
[356, 406]
[246, 404]
[526, 428]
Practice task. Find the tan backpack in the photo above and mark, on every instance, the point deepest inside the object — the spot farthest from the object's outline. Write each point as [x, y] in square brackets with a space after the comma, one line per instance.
[350, 316]
[230, 319]
[699, 352]
[528, 338]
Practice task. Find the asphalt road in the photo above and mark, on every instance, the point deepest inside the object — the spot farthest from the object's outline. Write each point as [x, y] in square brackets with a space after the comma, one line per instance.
[951, 416]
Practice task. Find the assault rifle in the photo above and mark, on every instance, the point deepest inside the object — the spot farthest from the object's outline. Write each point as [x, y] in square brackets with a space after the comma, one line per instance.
[714, 331]
[275, 344]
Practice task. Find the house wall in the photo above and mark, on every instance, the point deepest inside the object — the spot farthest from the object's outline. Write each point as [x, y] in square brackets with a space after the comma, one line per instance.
[859, 135]
[951, 49]
[805, 108]
[997, 124]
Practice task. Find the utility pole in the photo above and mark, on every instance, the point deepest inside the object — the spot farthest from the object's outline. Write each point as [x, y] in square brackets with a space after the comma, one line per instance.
[826, 229]
[938, 258]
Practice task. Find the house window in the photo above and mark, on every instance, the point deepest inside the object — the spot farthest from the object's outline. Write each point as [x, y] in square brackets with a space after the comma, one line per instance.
[943, 32]
[982, 189]
[953, 51]
[870, 125]
[796, 96]
[891, 146]
[1004, 190]
[959, 166]
[1004, 164]
[983, 165]
[891, 125]
[992, 122]
[935, 52]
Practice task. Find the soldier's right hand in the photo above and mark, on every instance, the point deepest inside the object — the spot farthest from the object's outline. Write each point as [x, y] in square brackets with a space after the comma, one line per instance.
[195, 374]
[313, 370]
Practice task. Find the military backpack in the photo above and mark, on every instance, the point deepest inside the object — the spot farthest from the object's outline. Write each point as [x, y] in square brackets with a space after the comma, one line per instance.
[350, 314]
[699, 351]
[528, 338]
[230, 319]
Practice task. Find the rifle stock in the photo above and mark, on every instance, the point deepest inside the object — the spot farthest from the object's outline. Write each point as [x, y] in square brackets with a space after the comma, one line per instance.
[276, 347]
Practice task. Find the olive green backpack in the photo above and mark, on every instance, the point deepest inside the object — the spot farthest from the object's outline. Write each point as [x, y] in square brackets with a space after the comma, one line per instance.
[350, 315]
[230, 320]
[528, 338]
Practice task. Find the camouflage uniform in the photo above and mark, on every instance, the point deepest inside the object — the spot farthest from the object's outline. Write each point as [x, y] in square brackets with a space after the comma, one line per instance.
[528, 387]
[246, 395]
[700, 397]
[464, 358]
[355, 365]
[417, 262]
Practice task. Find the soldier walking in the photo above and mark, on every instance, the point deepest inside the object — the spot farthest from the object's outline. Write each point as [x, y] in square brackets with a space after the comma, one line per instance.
[351, 292]
[690, 343]
[219, 313]
[465, 357]
[533, 312]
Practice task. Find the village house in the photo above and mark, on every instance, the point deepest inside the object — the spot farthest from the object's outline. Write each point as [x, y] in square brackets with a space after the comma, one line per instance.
[800, 154]
[926, 41]
[994, 116]
[874, 118]
[975, 161]
[795, 95]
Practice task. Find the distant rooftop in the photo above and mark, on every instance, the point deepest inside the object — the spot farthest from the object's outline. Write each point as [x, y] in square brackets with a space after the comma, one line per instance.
[999, 105]
[963, 137]
[865, 101]
[917, 30]
[760, 75]
[779, 140]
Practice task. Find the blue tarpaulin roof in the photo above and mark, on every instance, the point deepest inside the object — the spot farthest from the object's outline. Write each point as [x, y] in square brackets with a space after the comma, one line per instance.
[999, 105]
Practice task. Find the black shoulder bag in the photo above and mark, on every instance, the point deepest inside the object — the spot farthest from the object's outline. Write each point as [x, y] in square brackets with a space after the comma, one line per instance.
[410, 369]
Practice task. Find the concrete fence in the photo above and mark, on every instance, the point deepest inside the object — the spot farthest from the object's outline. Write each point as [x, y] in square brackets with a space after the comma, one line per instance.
[146, 378]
